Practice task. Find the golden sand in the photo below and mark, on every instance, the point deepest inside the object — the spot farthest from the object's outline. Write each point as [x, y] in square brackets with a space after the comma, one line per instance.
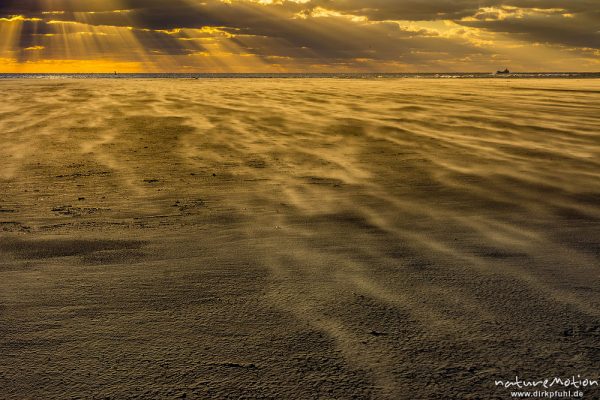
[297, 238]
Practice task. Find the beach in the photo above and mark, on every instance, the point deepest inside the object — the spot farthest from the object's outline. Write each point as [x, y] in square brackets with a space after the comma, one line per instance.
[297, 238]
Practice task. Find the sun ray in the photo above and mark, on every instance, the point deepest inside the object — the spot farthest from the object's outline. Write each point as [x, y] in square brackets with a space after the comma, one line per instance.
[10, 34]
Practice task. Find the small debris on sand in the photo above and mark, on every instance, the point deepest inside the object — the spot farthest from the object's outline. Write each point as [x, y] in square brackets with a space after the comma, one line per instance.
[239, 365]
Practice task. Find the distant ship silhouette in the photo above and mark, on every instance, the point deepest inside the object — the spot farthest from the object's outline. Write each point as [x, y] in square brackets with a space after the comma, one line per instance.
[506, 71]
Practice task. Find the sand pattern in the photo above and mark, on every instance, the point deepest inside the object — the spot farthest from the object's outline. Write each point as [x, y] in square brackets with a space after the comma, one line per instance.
[297, 238]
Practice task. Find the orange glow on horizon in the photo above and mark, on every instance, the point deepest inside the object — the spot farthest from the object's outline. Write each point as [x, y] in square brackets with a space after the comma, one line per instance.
[70, 67]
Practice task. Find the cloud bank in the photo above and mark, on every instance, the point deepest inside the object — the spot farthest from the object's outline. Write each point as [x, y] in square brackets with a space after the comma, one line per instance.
[301, 35]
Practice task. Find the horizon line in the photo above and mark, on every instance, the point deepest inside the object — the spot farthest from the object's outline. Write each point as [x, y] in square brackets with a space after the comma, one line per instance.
[294, 72]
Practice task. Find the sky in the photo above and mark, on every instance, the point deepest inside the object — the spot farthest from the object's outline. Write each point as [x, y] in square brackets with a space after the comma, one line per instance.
[299, 35]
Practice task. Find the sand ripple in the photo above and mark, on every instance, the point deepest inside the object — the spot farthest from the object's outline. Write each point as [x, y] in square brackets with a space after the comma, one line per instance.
[437, 233]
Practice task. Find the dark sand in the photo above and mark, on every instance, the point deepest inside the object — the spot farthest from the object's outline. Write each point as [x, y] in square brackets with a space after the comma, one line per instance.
[297, 239]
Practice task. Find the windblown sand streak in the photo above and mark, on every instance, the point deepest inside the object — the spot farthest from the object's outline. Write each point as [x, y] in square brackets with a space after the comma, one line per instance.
[297, 238]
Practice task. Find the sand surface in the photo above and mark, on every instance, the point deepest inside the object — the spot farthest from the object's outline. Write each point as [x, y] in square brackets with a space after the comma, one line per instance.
[297, 239]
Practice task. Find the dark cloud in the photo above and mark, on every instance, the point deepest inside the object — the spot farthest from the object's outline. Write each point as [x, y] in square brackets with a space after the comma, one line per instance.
[34, 7]
[402, 9]
[580, 29]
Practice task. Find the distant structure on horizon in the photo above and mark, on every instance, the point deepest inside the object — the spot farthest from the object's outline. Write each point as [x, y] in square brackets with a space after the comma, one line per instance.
[506, 71]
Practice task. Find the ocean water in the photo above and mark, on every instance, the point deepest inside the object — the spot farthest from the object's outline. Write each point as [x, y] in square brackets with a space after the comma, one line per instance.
[440, 75]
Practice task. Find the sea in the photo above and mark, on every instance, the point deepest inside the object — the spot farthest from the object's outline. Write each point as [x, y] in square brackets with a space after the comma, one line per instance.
[441, 75]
